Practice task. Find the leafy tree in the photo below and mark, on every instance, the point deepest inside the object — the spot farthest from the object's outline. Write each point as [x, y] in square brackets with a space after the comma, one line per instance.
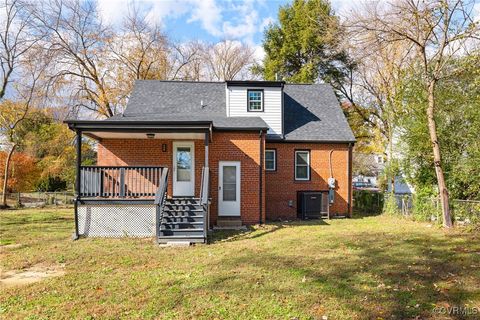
[52, 144]
[23, 173]
[305, 45]
[51, 184]
[436, 31]
[458, 124]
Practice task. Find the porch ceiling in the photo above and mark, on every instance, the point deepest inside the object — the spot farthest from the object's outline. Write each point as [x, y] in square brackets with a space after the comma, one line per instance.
[135, 129]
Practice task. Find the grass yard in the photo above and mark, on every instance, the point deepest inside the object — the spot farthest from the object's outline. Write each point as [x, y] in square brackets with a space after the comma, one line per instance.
[377, 267]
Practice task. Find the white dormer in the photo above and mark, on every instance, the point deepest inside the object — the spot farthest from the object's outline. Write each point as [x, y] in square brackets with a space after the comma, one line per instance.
[257, 99]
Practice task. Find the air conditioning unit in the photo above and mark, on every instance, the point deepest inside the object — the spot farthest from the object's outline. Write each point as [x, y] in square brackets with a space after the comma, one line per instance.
[312, 204]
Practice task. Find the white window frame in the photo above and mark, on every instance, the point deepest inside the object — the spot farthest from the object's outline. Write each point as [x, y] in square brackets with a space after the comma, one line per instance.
[261, 100]
[308, 165]
[274, 159]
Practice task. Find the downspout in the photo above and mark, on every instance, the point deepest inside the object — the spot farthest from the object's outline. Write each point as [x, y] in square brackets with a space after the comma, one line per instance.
[77, 181]
[330, 163]
[260, 172]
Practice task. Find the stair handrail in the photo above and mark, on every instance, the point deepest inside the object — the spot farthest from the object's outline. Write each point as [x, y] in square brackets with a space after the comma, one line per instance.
[160, 197]
[204, 188]
[204, 198]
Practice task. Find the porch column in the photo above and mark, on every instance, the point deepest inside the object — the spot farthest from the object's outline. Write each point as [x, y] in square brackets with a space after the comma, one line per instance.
[78, 146]
[207, 136]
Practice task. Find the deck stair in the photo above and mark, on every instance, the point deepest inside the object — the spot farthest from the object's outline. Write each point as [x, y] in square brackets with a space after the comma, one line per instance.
[183, 220]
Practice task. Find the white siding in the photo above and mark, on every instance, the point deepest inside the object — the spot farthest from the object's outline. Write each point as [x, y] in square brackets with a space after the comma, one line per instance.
[272, 106]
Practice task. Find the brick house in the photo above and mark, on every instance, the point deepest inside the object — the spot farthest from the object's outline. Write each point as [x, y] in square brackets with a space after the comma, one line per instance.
[188, 156]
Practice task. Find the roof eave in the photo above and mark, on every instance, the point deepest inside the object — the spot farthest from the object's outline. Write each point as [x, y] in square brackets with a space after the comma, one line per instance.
[129, 125]
[240, 83]
[273, 140]
[221, 128]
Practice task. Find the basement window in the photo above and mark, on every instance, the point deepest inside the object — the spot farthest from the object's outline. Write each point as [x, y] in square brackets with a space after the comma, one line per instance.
[302, 165]
[270, 159]
[255, 100]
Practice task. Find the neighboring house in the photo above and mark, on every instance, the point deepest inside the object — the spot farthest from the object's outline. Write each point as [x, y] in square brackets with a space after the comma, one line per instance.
[401, 186]
[369, 166]
[226, 153]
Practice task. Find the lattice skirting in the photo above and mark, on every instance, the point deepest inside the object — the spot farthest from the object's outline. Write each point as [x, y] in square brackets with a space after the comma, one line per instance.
[116, 221]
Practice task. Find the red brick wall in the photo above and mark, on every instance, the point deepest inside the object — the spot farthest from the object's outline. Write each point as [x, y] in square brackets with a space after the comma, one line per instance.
[147, 152]
[243, 147]
[278, 187]
[282, 187]
[225, 146]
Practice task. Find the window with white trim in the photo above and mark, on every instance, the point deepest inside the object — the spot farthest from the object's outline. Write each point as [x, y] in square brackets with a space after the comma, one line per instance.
[302, 165]
[255, 100]
[270, 159]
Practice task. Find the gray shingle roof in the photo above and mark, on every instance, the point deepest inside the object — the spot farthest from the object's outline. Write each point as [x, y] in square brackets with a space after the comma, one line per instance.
[184, 101]
[180, 97]
[312, 111]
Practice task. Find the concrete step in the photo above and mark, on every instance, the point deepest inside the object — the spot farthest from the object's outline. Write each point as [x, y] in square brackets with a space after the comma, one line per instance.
[229, 223]
[182, 239]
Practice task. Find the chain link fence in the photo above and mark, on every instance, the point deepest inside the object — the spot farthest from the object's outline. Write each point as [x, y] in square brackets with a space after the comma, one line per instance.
[40, 199]
[463, 212]
[366, 202]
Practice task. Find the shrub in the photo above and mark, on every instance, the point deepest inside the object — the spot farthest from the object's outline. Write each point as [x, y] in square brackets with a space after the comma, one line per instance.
[390, 205]
[368, 202]
[426, 206]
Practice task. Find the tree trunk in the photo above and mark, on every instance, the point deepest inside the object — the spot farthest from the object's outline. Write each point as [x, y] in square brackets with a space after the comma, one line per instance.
[5, 177]
[432, 128]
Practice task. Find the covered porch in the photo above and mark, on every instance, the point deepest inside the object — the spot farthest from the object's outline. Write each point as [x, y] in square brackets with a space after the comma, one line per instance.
[151, 179]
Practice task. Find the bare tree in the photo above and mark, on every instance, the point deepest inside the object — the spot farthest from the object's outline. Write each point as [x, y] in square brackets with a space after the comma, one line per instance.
[186, 61]
[228, 60]
[23, 64]
[195, 61]
[16, 37]
[140, 51]
[438, 30]
[78, 39]
[374, 88]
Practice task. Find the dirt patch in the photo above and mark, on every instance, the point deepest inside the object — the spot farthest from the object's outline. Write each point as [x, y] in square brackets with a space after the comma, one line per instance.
[11, 246]
[34, 274]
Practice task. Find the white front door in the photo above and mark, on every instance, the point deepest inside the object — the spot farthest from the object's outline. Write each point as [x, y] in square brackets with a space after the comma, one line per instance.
[229, 188]
[183, 169]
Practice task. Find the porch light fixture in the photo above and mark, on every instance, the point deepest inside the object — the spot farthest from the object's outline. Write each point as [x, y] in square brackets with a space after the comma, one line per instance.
[164, 147]
[150, 135]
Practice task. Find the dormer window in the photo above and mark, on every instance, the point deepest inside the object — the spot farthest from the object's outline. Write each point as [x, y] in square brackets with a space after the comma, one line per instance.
[255, 100]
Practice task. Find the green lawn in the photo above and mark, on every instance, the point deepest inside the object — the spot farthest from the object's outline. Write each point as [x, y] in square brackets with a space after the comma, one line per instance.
[366, 268]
